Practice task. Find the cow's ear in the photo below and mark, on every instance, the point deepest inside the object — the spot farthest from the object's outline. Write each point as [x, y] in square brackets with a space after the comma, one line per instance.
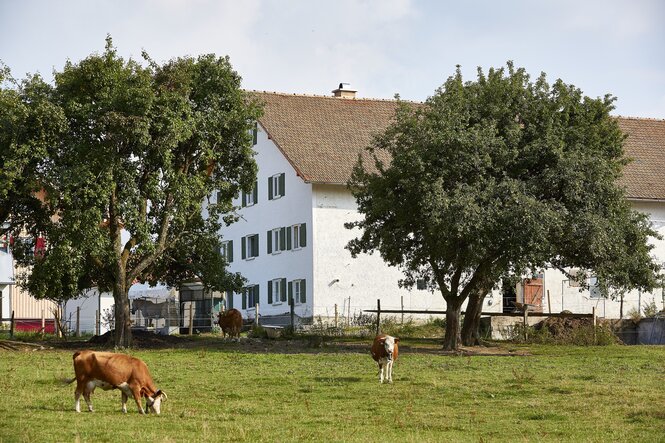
[396, 340]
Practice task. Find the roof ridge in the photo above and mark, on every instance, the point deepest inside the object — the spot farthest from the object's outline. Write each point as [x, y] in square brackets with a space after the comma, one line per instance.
[653, 119]
[330, 97]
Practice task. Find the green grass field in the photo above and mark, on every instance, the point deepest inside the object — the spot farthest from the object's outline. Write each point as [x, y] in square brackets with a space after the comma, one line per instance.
[228, 392]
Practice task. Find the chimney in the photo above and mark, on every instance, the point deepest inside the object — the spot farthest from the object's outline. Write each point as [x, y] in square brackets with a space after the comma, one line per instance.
[344, 93]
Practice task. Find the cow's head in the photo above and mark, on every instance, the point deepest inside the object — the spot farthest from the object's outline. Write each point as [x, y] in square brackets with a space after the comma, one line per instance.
[389, 345]
[154, 403]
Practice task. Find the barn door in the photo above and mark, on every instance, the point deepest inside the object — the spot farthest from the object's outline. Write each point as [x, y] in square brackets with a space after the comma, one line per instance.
[533, 293]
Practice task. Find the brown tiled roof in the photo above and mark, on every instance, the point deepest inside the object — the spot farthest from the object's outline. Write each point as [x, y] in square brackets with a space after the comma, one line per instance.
[322, 137]
[644, 176]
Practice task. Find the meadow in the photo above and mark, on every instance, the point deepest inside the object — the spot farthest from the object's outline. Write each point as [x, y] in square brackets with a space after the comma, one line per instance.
[257, 391]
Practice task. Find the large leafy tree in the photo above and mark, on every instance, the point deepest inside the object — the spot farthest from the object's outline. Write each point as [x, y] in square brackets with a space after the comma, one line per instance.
[144, 148]
[497, 177]
[29, 123]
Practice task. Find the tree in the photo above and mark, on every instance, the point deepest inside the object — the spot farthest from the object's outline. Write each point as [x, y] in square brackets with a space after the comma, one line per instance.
[144, 148]
[29, 124]
[499, 177]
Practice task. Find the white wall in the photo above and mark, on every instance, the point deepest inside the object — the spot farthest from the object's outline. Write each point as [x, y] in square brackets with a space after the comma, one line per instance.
[564, 296]
[338, 276]
[290, 209]
[91, 302]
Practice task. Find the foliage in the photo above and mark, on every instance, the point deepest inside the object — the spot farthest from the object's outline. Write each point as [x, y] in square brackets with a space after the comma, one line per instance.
[143, 149]
[497, 177]
[650, 308]
[558, 393]
[29, 123]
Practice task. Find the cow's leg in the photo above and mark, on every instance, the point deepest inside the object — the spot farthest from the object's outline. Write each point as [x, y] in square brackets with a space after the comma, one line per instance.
[87, 392]
[389, 371]
[77, 396]
[381, 372]
[136, 392]
[124, 402]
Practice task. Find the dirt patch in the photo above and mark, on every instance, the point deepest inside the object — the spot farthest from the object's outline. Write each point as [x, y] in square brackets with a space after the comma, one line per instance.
[311, 344]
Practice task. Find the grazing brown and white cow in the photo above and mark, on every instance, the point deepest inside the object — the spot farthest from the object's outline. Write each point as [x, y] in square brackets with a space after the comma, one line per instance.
[231, 323]
[109, 370]
[384, 352]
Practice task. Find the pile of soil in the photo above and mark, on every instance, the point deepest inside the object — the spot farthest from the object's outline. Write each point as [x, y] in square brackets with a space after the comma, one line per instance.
[562, 327]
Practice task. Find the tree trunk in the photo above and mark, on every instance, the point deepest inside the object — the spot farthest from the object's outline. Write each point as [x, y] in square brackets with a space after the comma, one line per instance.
[123, 326]
[471, 324]
[451, 340]
[621, 308]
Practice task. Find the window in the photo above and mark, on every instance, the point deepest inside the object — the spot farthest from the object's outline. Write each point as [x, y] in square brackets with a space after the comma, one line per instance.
[594, 288]
[421, 284]
[298, 236]
[255, 134]
[250, 246]
[226, 251]
[276, 291]
[250, 198]
[250, 296]
[276, 240]
[276, 186]
[297, 291]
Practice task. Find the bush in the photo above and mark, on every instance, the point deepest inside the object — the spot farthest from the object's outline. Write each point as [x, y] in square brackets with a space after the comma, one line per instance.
[565, 331]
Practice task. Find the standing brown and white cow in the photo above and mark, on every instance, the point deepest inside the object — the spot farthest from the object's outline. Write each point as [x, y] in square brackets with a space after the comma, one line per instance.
[109, 370]
[384, 352]
[231, 323]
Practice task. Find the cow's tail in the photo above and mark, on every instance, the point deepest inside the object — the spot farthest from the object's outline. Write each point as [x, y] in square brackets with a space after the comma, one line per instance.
[66, 381]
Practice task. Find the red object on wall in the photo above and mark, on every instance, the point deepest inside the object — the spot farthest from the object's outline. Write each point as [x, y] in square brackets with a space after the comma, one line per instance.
[32, 325]
[40, 247]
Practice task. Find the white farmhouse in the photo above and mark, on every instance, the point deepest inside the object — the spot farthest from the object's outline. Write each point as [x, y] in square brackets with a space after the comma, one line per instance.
[290, 240]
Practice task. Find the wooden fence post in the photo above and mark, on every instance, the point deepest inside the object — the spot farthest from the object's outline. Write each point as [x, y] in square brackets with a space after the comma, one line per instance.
[549, 303]
[378, 315]
[12, 326]
[98, 326]
[292, 308]
[526, 323]
[336, 316]
[78, 321]
[191, 318]
[593, 314]
[402, 300]
[256, 315]
[43, 324]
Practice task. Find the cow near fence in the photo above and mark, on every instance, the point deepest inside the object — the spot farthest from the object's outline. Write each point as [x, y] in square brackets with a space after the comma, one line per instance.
[150, 310]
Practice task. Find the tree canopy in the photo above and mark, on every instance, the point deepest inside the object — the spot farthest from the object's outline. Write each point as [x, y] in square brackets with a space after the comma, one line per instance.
[500, 176]
[142, 149]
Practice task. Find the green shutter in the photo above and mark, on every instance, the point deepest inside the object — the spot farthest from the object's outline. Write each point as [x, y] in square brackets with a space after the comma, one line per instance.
[281, 184]
[244, 199]
[255, 191]
[269, 234]
[282, 288]
[269, 292]
[256, 295]
[243, 247]
[269, 188]
[303, 291]
[244, 298]
[288, 238]
[255, 134]
[290, 291]
[303, 236]
[229, 299]
[255, 245]
[282, 239]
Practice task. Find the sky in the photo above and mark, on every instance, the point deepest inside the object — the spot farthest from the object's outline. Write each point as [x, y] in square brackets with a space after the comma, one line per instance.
[380, 47]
